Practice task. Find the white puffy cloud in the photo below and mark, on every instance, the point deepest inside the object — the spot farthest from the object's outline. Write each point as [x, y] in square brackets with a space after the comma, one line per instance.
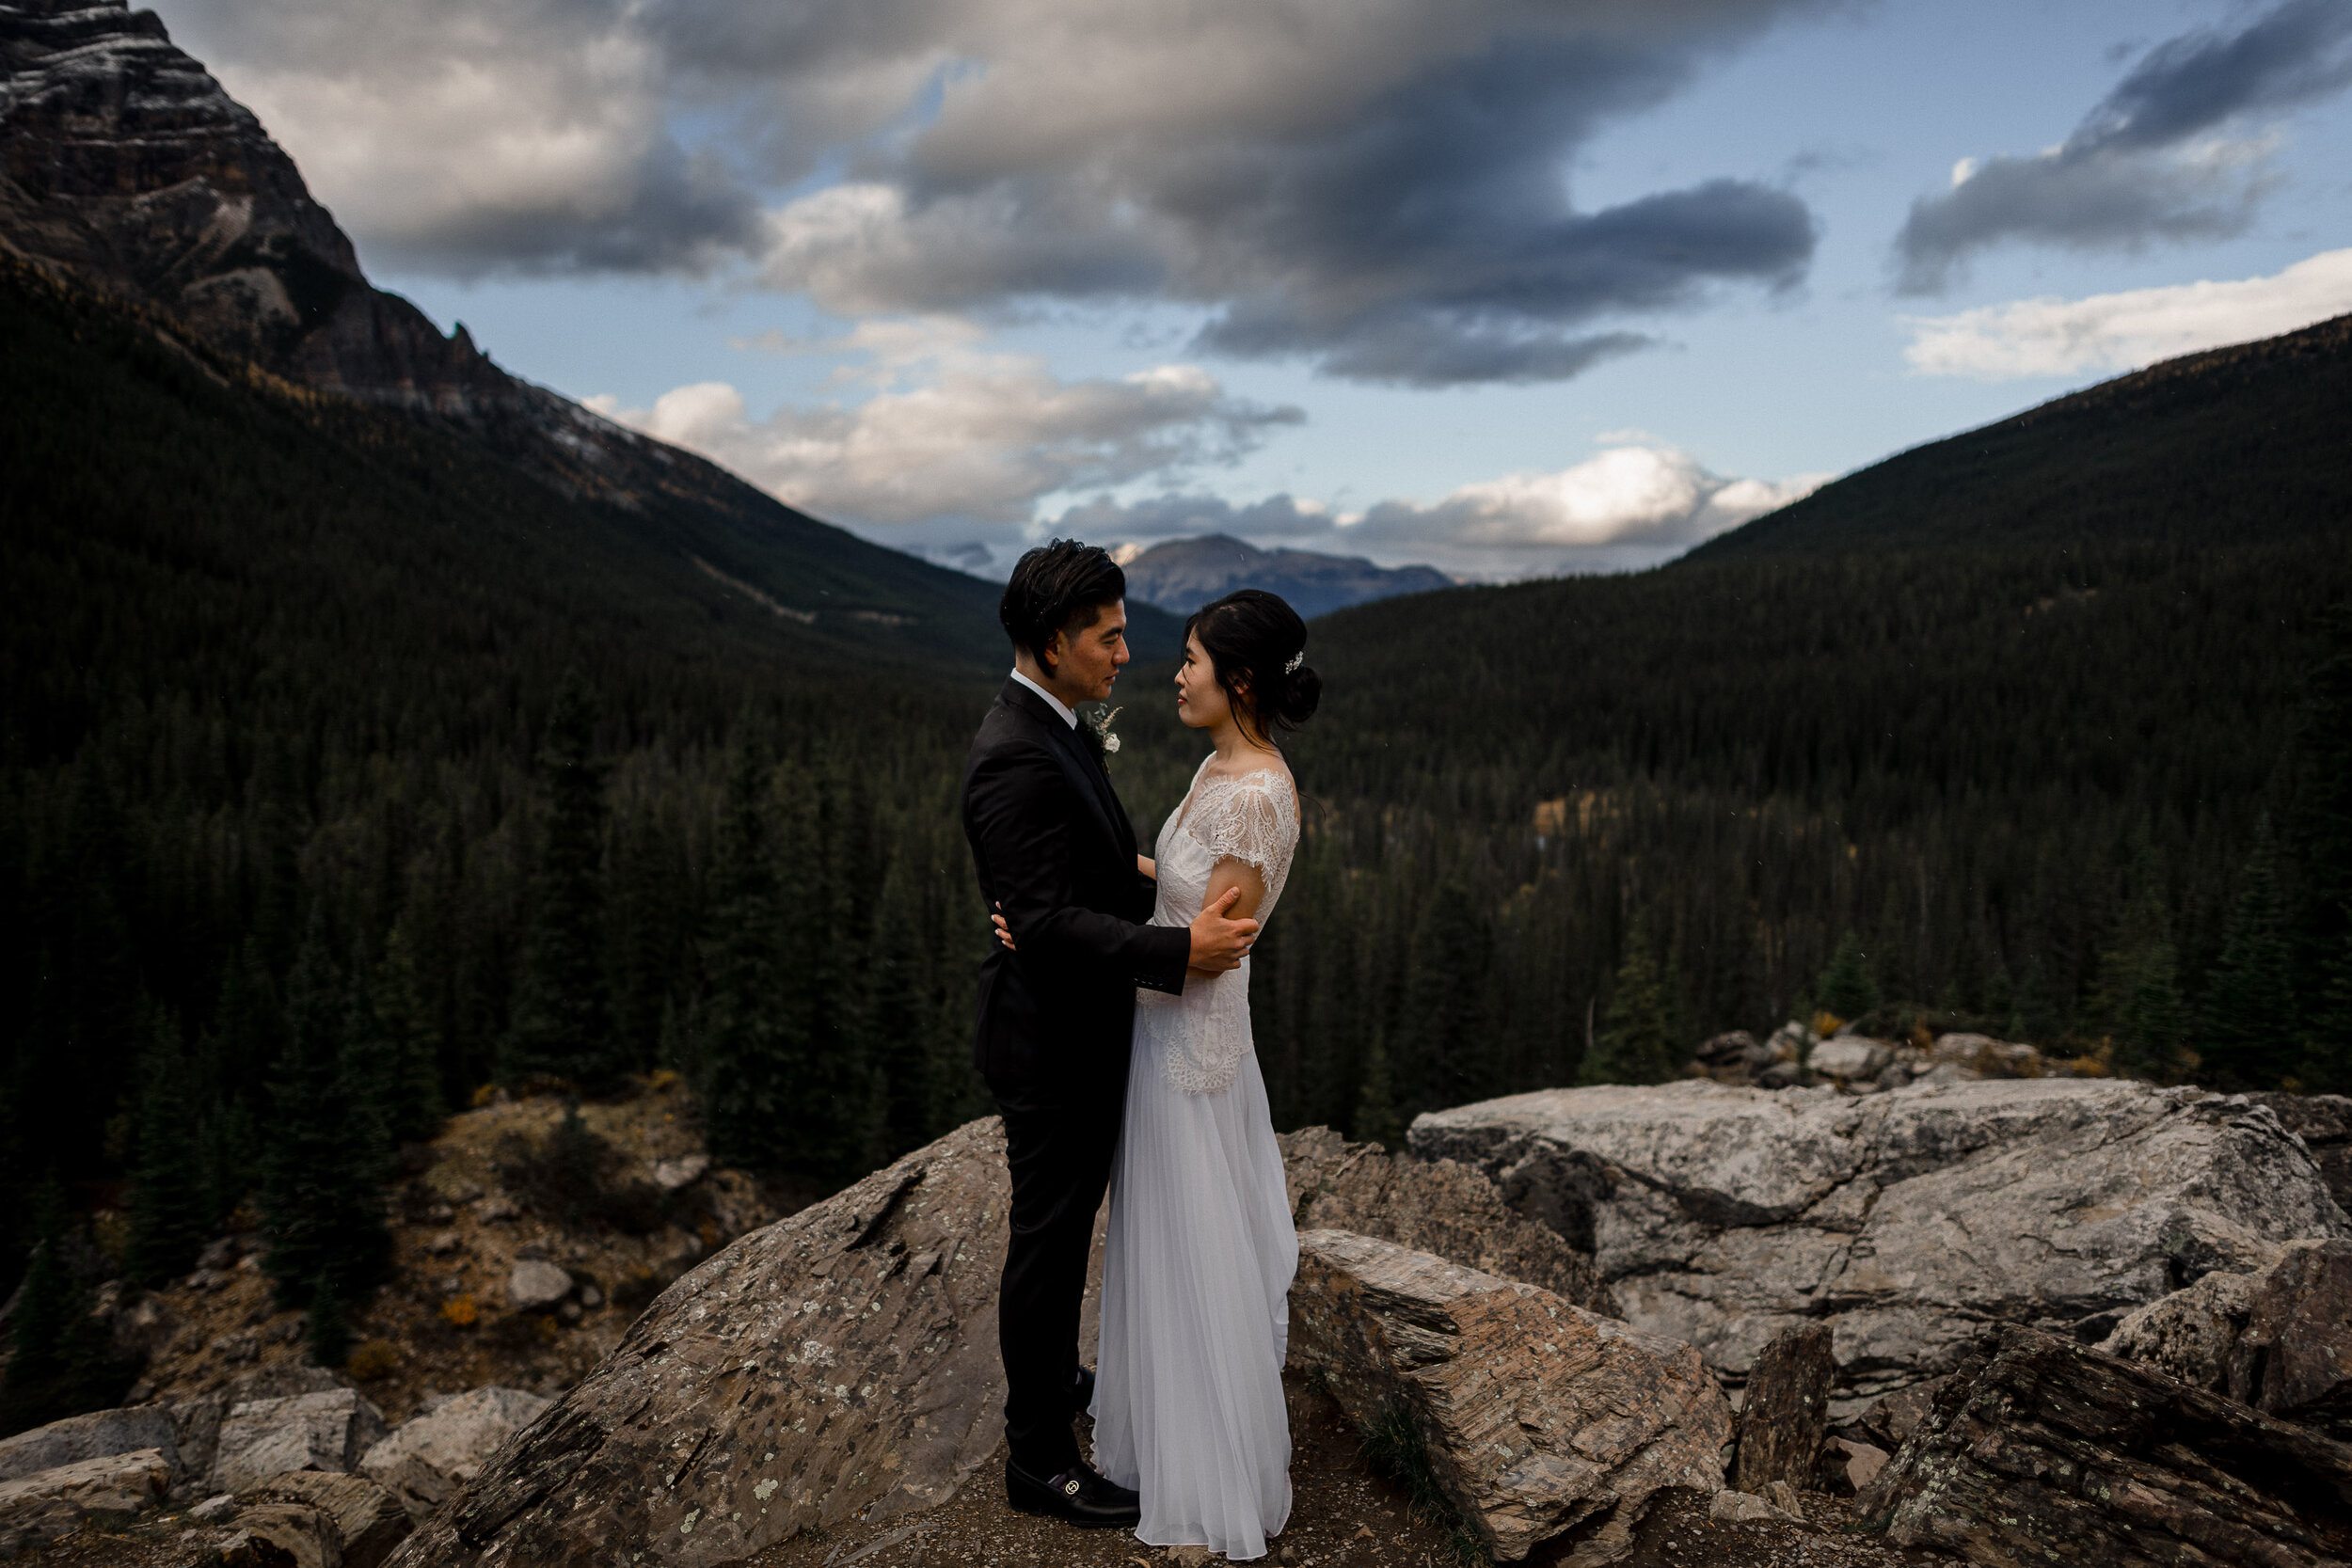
[953, 445]
[1630, 505]
[2126, 330]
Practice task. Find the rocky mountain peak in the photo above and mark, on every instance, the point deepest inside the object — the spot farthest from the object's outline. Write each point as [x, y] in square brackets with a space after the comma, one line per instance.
[124, 160]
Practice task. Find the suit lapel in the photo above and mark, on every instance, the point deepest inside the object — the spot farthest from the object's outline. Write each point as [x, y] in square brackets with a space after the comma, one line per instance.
[1094, 784]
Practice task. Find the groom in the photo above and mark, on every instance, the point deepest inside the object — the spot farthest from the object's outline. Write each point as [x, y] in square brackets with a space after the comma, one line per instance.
[1056, 857]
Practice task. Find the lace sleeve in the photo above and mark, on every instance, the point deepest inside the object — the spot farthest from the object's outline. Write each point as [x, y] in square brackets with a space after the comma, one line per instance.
[1253, 820]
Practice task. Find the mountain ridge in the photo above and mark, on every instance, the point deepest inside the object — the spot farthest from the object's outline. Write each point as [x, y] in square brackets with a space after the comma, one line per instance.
[127, 169]
[1181, 574]
[2135, 457]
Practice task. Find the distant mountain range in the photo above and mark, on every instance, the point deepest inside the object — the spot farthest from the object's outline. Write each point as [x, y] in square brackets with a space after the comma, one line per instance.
[1181, 574]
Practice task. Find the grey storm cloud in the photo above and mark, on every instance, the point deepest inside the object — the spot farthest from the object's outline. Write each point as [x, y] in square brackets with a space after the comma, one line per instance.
[2147, 162]
[1379, 188]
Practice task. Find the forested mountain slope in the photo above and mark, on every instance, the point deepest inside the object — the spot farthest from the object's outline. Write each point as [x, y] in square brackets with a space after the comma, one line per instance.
[2236, 445]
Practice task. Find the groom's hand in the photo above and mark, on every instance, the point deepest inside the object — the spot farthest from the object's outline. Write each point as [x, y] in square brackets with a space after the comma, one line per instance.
[1220, 943]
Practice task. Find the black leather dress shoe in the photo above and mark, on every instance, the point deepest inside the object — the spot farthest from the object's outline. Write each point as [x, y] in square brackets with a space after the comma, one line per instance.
[1077, 1496]
[1082, 1390]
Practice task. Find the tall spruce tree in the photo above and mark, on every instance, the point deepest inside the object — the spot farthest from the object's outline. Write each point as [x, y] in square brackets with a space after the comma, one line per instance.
[322, 1201]
[739, 1032]
[2138, 997]
[171, 1212]
[413, 1109]
[1437, 1054]
[1637, 1044]
[562, 1025]
[1847, 987]
[2324, 924]
[62, 1362]
[2251, 1034]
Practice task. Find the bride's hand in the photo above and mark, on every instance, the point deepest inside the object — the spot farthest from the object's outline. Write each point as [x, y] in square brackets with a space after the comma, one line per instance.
[1004, 933]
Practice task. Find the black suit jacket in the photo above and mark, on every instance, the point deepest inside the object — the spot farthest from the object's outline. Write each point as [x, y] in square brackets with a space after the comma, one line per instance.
[1056, 855]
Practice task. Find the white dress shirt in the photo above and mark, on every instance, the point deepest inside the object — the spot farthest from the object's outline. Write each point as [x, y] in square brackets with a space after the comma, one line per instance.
[1053, 702]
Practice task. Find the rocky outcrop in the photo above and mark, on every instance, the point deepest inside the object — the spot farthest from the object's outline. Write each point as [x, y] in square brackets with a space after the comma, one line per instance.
[281, 1535]
[96, 1436]
[2279, 1339]
[429, 1458]
[2323, 1122]
[261, 1438]
[2045, 1450]
[841, 1362]
[1784, 1418]
[368, 1521]
[48, 1503]
[1908, 1220]
[1438, 1207]
[1550, 1428]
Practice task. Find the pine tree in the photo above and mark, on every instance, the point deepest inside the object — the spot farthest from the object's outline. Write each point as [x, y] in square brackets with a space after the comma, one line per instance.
[171, 1210]
[1637, 1046]
[2324, 923]
[322, 1210]
[2138, 997]
[2250, 1040]
[1375, 1119]
[747, 1090]
[413, 1110]
[1444, 1033]
[1847, 987]
[329, 1331]
[562, 1025]
[62, 1363]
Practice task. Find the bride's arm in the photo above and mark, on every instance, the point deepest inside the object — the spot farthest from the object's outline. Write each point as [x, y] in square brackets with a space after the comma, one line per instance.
[1149, 866]
[1227, 875]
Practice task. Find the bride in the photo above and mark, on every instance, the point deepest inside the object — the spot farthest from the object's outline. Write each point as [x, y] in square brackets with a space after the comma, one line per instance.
[1189, 1406]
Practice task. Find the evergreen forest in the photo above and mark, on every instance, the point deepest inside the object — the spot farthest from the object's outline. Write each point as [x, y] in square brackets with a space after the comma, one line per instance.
[348, 770]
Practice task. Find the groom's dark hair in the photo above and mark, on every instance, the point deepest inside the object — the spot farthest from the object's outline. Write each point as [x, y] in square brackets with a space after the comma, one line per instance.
[1064, 586]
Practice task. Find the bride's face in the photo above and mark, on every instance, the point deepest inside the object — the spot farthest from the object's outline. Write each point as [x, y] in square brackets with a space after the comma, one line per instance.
[1200, 703]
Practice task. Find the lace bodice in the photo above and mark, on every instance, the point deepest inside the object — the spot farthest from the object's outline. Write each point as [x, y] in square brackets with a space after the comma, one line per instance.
[1203, 1034]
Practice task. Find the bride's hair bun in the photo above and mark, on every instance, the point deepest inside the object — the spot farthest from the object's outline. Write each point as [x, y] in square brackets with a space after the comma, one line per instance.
[1258, 643]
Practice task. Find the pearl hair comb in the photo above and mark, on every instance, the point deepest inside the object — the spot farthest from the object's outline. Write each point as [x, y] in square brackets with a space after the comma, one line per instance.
[1296, 659]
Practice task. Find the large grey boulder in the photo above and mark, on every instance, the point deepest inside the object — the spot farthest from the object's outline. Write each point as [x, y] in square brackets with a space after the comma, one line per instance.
[1908, 1219]
[261, 1438]
[1551, 1428]
[838, 1363]
[96, 1436]
[1438, 1207]
[431, 1457]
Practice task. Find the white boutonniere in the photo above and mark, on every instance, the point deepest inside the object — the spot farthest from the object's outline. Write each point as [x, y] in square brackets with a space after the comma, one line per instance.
[1098, 732]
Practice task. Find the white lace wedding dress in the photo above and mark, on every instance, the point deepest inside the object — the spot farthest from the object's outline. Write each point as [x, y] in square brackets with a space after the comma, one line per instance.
[1196, 1276]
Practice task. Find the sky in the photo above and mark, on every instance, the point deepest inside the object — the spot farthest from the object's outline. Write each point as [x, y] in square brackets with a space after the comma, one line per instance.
[1511, 287]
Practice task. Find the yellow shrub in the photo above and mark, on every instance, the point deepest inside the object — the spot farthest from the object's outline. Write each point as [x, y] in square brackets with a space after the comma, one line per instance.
[460, 1311]
[374, 1358]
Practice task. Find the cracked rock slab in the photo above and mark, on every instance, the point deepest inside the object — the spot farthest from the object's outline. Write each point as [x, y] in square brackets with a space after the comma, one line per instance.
[1439, 1207]
[1549, 1427]
[1909, 1220]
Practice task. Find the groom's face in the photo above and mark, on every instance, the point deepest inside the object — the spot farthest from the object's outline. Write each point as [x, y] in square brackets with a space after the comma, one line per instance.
[1090, 657]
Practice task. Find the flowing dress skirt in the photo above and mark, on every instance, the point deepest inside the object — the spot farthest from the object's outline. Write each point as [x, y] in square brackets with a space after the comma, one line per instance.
[1189, 1405]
